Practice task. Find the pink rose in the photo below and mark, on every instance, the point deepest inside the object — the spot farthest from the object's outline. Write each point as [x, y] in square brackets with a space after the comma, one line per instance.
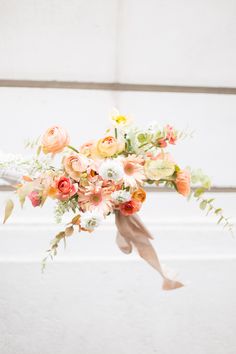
[171, 134]
[130, 207]
[35, 198]
[183, 182]
[65, 188]
[54, 140]
[75, 164]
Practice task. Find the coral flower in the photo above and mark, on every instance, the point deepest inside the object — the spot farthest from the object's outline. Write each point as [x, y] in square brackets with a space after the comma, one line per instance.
[183, 182]
[65, 188]
[130, 207]
[133, 171]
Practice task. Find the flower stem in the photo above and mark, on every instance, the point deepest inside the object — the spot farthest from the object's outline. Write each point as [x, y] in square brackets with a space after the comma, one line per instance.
[72, 148]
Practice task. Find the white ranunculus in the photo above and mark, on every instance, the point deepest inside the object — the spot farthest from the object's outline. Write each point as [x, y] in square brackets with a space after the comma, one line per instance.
[111, 170]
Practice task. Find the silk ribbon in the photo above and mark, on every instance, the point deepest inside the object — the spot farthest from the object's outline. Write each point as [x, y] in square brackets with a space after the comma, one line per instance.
[132, 232]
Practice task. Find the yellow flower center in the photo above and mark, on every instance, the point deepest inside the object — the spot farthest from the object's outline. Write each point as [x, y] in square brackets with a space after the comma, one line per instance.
[120, 119]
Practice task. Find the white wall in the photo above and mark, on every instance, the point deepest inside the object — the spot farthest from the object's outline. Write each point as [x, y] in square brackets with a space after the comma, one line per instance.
[93, 299]
[151, 41]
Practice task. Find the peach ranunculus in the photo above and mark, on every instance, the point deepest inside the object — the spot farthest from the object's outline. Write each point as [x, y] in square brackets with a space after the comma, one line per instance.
[182, 182]
[130, 207]
[139, 195]
[107, 147]
[75, 164]
[54, 140]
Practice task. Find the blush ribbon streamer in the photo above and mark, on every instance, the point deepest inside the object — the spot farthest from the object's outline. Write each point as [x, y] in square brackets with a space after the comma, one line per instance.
[132, 232]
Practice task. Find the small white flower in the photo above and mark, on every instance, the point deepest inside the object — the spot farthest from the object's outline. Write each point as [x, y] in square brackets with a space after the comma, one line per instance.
[90, 220]
[121, 196]
[119, 120]
[111, 170]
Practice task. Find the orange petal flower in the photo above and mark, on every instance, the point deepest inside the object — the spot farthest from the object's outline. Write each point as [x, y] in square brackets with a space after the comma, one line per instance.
[139, 195]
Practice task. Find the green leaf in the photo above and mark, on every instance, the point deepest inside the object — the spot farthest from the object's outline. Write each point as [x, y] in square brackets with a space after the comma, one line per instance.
[203, 204]
[198, 192]
[220, 219]
[8, 210]
[177, 168]
[210, 207]
[38, 150]
[217, 211]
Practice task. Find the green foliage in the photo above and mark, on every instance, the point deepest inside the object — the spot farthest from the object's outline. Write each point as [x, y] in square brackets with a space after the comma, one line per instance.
[208, 206]
[65, 206]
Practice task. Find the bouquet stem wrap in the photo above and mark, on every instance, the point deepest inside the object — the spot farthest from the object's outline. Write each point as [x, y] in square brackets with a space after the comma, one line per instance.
[132, 232]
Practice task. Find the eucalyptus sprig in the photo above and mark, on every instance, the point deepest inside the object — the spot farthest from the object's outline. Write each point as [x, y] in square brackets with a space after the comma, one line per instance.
[206, 204]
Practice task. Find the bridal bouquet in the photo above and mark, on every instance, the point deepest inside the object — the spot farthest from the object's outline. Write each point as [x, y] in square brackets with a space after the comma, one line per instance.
[107, 176]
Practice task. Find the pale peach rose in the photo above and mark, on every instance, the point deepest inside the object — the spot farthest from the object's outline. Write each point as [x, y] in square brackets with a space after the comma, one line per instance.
[107, 147]
[87, 148]
[183, 182]
[54, 140]
[75, 164]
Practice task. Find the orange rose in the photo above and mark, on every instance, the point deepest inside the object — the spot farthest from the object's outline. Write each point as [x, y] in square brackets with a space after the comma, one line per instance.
[139, 195]
[107, 147]
[54, 140]
[183, 182]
